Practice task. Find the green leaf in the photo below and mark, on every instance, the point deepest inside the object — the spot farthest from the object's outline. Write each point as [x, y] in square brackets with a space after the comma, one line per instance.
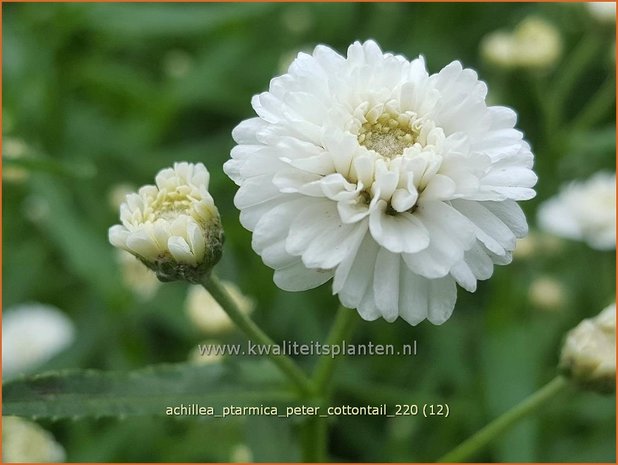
[164, 21]
[149, 391]
[84, 248]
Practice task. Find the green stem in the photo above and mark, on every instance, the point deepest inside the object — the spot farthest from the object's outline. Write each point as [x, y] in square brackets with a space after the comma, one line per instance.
[597, 107]
[480, 439]
[316, 429]
[340, 331]
[315, 440]
[570, 73]
[253, 332]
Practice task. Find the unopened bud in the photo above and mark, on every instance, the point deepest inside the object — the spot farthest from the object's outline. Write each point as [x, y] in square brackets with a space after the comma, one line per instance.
[173, 227]
[589, 352]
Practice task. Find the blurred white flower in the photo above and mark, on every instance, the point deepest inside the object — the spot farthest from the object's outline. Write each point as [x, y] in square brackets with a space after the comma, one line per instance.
[173, 227]
[177, 63]
[31, 335]
[547, 293]
[136, 276]
[604, 12]
[37, 208]
[395, 182]
[205, 358]
[206, 313]
[241, 453]
[537, 243]
[534, 44]
[584, 210]
[14, 148]
[26, 442]
[589, 352]
[525, 247]
[297, 18]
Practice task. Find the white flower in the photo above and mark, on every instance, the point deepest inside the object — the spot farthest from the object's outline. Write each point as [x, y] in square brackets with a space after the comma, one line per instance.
[604, 12]
[14, 148]
[136, 276]
[199, 356]
[241, 453]
[534, 43]
[173, 227]
[31, 335]
[547, 293]
[26, 442]
[589, 352]
[584, 210]
[394, 182]
[206, 313]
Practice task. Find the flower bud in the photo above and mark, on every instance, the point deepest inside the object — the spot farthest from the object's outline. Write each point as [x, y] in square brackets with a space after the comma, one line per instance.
[173, 227]
[589, 352]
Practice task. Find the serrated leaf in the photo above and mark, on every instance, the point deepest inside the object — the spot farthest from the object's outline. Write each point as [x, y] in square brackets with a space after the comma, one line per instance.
[91, 393]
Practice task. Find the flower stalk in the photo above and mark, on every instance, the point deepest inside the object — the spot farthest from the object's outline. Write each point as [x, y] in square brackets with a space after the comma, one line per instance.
[480, 439]
[341, 330]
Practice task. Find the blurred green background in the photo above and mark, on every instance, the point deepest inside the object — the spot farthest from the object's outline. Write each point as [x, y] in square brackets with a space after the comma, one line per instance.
[97, 95]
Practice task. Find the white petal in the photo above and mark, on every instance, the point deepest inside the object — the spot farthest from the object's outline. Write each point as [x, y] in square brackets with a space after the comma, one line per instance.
[181, 251]
[255, 191]
[250, 216]
[196, 240]
[404, 199]
[141, 244]
[479, 262]
[464, 276]
[492, 232]
[355, 275]
[451, 234]
[296, 277]
[317, 215]
[401, 232]
[367, 308]
[442, 298]
[274, 224]
[333, 245]
[386, 284]
[245, 132]
[511, 214]
[439, 188]
[118, 235]
[414, 297]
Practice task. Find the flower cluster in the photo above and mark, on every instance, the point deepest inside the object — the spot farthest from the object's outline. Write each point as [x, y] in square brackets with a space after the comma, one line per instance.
[585, 211]
[394, 182]
[173, 227]
[534, 44]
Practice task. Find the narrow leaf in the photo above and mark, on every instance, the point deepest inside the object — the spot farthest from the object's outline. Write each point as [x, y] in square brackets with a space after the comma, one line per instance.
[90, 393]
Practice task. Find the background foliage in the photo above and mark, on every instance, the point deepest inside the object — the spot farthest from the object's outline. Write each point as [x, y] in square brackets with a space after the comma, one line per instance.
[103, 94]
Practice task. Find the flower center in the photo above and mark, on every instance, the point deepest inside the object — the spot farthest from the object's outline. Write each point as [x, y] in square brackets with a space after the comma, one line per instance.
[389, 134]
[171, 204]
